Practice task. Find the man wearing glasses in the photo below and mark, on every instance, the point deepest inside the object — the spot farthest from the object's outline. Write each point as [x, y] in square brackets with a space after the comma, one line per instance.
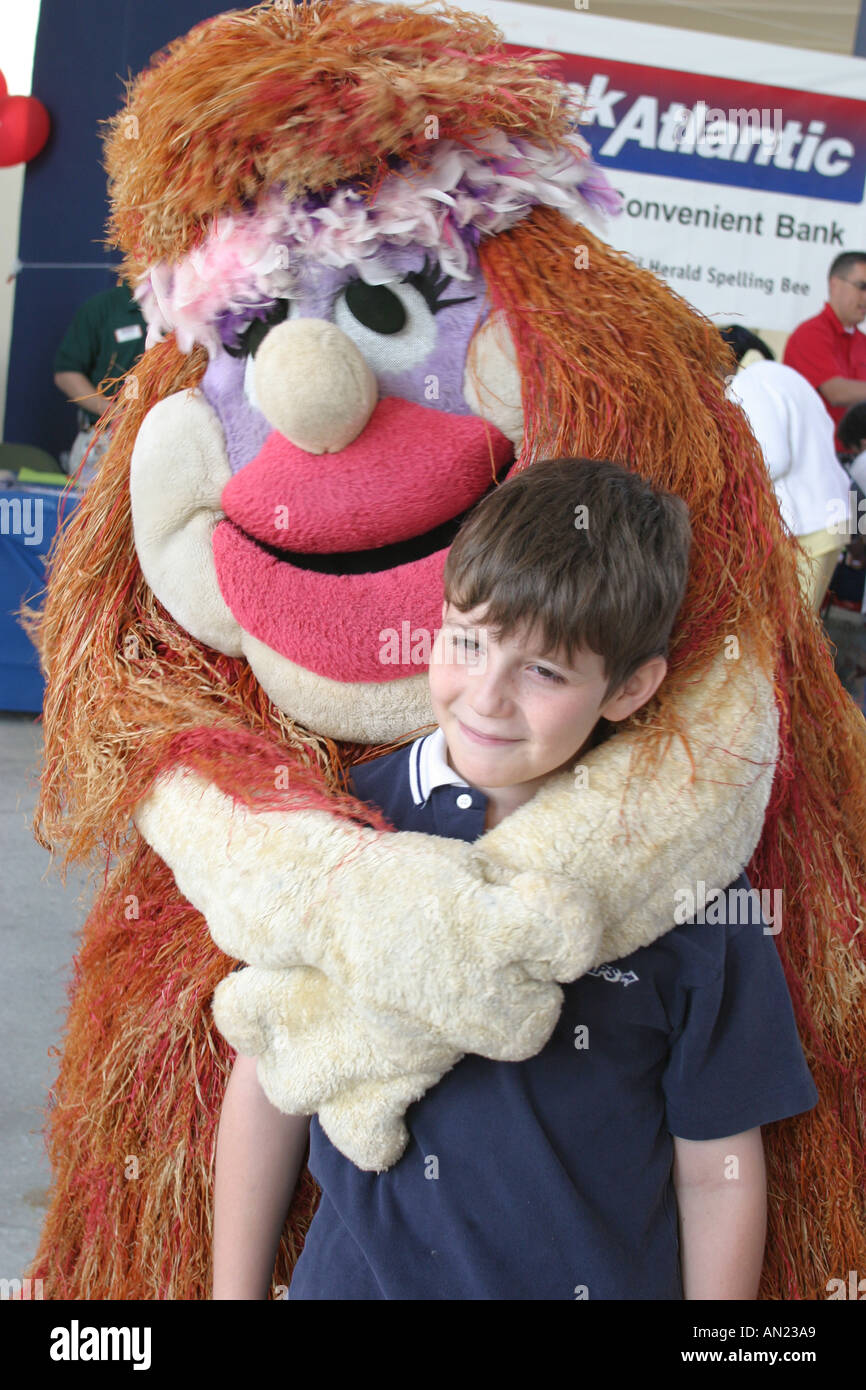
[828, 350]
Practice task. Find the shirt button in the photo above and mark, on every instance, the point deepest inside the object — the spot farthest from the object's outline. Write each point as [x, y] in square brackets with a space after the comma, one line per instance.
[464, 801]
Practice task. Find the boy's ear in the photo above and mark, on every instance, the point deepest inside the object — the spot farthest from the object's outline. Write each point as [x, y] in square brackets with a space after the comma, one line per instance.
[641, 685]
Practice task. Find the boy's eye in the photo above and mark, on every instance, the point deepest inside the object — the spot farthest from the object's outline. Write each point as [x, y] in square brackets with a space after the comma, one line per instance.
[464, 642]
[550, 675]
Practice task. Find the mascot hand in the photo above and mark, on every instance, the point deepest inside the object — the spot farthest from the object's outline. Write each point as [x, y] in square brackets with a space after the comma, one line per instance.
[317, 1053]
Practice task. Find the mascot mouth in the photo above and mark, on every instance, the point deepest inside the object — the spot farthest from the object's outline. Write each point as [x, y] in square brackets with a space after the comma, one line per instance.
[377, 558]
[333, 614]
[284, 561]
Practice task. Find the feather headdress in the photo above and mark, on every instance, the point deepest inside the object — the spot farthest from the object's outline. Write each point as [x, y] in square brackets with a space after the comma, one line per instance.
[248, 259]
[302, 98]
[436, 137]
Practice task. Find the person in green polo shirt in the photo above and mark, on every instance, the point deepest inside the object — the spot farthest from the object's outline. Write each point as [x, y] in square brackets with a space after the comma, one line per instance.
[104, 340]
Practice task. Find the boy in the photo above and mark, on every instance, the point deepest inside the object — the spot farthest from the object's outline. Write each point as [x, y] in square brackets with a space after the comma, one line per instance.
[564, 1176]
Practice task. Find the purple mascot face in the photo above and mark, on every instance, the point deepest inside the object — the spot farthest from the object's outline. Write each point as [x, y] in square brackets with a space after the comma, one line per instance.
[360, 399]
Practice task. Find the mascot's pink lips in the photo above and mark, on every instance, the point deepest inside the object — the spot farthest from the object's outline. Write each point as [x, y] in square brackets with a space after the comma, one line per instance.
[320, 555]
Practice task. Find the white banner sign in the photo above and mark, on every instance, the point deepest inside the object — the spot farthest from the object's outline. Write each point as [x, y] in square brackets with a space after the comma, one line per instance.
[742, 166]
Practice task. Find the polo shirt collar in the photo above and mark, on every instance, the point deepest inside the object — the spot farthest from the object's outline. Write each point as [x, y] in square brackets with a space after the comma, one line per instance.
[429, 767]
[834, 321]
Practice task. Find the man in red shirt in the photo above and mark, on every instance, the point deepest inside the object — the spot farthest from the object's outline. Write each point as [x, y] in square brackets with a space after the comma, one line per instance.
[828, 350]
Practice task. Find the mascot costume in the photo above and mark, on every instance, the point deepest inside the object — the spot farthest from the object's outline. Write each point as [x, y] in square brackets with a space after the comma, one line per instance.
[358, 232]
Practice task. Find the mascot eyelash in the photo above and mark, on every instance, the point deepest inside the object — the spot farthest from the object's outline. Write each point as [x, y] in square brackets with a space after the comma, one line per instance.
[432, 281]
[253, 335]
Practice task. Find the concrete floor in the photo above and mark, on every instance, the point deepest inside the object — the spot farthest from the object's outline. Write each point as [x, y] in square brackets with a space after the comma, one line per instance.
[39, 922]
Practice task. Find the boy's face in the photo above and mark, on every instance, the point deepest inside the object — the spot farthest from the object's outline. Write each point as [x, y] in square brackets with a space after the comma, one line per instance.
[512, 713]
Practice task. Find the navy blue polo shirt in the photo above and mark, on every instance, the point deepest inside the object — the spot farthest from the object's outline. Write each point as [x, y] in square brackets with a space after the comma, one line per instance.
[551, 1178]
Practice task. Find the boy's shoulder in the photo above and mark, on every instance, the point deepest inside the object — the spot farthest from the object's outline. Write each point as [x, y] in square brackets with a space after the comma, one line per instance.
[714, 986]
[383, 771]
[416, 789]
[713, 929]
[391, 782]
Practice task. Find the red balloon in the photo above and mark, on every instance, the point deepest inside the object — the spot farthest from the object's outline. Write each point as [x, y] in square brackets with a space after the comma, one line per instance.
[24, 127]
[3, 88]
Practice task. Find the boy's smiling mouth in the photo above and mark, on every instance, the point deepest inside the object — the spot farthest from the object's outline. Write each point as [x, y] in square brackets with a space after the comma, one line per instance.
[477, 737]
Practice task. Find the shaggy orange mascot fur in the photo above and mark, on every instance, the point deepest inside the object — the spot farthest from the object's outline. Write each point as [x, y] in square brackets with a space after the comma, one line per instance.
[612, 364]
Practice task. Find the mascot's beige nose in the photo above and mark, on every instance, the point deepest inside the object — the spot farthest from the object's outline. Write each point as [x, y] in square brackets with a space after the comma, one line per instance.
[313, 385]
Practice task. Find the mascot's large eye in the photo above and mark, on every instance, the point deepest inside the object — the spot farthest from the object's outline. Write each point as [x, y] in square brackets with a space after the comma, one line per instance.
[394, 325]
[375, 306]
[255, 333]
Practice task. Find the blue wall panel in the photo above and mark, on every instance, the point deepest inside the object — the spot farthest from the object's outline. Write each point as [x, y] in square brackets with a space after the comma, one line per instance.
[85, 51]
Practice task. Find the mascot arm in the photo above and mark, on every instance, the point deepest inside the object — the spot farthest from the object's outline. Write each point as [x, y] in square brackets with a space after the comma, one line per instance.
[638, 839]
[377, 960]
[468, 938]
[283, 890]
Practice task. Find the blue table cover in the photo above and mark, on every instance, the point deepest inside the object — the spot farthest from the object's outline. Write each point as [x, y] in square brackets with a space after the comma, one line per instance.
[29, 517]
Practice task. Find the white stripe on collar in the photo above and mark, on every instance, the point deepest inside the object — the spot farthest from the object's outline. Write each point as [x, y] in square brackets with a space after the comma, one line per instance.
[429, 767]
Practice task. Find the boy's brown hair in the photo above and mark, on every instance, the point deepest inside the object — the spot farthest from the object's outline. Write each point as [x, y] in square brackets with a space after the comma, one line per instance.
[584, 549]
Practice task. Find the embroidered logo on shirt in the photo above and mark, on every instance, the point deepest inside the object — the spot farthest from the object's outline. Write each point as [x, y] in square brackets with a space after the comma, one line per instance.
[616, 976]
